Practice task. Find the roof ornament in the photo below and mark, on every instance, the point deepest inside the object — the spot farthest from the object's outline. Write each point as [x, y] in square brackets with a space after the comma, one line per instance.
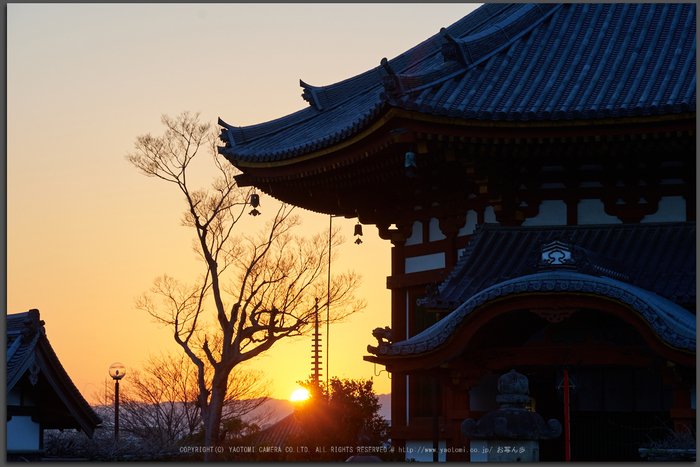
[562, 253]
[452, 50]
[226, 134]
[391, 82]
[384, 336]
[432, 291]
[557, 255]
[385, 64]
[32, 324]
[310, 95]
[34, 370]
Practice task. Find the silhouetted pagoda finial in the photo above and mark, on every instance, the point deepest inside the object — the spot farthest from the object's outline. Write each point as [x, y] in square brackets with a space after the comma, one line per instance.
[316, 349]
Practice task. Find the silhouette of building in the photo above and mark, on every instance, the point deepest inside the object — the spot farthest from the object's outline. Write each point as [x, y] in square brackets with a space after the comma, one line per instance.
[40, 394]
[279, 433]
[534, 167]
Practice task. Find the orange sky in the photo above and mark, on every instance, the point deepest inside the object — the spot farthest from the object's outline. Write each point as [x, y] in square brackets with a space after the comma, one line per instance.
[86, 233]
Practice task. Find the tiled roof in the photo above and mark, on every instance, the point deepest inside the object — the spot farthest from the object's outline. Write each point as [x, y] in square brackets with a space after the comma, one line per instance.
[583, 61]
[658, 257]
[279, 433]
[23, 333]
[673, 324]
[27, 344]
[512, 62]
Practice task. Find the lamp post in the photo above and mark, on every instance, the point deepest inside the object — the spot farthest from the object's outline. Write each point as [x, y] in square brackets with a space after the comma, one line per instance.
[117, 371]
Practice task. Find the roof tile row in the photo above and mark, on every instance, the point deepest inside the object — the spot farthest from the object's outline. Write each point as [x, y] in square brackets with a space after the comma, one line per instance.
[658, 257]
[524, 62]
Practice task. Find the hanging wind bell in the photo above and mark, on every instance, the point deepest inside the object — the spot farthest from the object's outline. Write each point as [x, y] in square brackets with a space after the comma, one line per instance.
[358, 233]
[410, 161]
[255, 202]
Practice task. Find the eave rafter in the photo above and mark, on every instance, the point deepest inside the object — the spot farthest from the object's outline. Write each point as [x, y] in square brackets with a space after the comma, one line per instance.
[495, 132]
[472, 164]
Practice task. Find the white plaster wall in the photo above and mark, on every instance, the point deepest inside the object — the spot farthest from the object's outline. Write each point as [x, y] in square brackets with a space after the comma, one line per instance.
[422, 450]
[417, 234]
[460, 252]
[469, 225]
[692, 397]
[434, 232]
[489, 215]
[671, 209]
[425, 262]
[592, 211]
[552, 212]
[23, 434]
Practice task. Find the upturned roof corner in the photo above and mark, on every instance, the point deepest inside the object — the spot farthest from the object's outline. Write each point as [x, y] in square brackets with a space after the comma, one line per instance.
[310, 95]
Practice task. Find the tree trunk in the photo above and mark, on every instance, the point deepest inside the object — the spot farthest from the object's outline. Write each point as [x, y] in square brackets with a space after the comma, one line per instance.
[212, 419]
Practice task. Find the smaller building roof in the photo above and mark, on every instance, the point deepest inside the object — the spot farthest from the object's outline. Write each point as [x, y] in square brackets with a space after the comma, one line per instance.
[649, 268]
[279, 433]
[30, 355]
[671, 323]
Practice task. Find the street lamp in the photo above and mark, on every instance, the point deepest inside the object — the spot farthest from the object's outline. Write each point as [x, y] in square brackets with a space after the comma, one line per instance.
[117, 371]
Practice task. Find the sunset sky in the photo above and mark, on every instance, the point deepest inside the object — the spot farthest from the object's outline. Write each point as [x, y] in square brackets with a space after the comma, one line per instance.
[86, 233]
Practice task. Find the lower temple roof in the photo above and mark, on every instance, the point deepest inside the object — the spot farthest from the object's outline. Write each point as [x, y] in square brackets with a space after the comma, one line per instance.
[657, 257]
[671, 323]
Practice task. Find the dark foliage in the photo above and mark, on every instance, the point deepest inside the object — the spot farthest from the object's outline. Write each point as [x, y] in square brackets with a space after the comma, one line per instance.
[336, 420]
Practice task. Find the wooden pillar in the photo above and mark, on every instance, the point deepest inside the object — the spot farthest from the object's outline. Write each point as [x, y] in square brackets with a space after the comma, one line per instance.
[681, 413]
[398, 296]
[571, 211]
[436, 414]
[456, 411]
[681, 380]
[399, 396]
[690, 206]
[449, 226]
[398, 408]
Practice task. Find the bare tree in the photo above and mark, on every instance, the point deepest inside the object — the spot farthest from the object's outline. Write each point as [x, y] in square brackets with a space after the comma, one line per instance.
[258, 288]
[159, 401]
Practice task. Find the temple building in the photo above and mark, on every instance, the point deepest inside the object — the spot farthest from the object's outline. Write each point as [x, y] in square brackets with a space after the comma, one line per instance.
[534, 168]
[40, 394]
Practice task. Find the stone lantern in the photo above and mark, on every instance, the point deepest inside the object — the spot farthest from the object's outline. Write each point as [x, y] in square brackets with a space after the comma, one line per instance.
[511, 433]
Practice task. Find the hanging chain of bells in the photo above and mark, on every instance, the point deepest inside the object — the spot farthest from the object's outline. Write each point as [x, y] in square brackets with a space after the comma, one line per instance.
[255, 202]
[358, 233]
[410, 161]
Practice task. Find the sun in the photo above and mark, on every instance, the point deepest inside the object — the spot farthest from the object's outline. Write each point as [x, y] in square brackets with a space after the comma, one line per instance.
[299, 395]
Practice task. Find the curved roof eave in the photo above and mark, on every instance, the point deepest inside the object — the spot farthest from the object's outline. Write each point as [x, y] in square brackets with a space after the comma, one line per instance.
[544, 65]
[65, 388]
[18, 362]
[240, 141]
[35, 347]
[673, 324]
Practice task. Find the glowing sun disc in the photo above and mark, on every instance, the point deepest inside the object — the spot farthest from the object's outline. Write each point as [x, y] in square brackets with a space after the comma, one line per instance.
[299, 395]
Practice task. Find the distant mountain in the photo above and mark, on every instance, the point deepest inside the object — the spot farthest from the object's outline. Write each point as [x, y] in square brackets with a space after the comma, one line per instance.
[272, 411]
[385, 411]
[275, 410]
